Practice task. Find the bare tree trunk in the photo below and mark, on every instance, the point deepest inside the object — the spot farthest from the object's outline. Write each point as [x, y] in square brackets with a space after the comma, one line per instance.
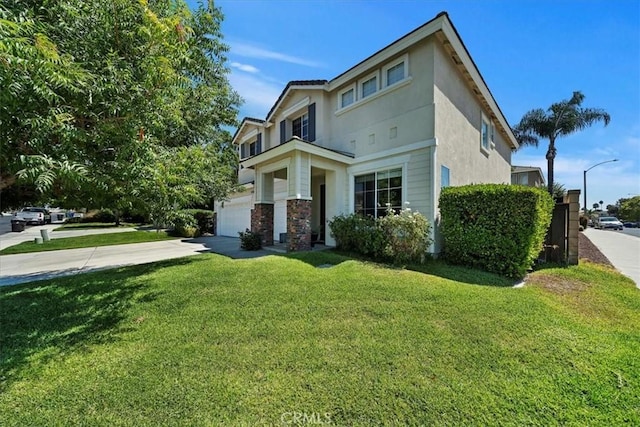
[551, 155]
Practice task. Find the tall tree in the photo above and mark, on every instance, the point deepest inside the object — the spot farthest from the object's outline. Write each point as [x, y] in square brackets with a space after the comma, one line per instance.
[154, 77]
[560, 119]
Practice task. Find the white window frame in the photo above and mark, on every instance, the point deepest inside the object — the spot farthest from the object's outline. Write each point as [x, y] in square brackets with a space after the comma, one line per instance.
[404, 58]
[485, 121]
[301, 117]
[444, 168]
[345, 90]
[378, 207]
[364, 80]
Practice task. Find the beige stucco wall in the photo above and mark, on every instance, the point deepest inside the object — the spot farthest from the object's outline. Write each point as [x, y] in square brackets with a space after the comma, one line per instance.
[366, 127]
[458, 121]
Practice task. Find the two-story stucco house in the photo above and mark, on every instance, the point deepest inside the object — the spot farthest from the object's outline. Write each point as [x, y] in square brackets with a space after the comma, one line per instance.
[412, 118]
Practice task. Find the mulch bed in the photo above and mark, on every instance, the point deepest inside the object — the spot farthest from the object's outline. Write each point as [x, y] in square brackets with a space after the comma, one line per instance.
[587, 250]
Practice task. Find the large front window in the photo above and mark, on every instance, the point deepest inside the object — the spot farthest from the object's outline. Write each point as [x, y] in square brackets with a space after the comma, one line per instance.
[375, 192]
[300, 127]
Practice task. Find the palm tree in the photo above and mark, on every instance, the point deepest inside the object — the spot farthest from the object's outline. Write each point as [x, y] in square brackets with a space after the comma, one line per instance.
[561, 119]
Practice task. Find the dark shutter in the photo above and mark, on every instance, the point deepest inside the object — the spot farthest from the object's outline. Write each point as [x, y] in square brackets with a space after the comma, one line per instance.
[283, 129]
[243, 151]
[312, 122]
[259, 144]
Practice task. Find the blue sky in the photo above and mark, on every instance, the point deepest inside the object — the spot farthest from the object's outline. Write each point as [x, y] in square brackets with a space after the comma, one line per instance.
[530, 53]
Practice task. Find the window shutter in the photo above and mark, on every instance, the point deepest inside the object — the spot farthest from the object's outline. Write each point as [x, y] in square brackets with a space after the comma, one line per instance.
[312, 121]
[259, 144]
[283, 129]
[243, 151]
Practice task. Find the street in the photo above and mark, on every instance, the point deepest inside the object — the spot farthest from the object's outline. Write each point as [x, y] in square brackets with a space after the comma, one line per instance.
[622, 248]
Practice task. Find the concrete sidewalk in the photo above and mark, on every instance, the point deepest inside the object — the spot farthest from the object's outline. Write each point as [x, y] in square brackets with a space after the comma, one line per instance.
[21, 268]
[621, 249]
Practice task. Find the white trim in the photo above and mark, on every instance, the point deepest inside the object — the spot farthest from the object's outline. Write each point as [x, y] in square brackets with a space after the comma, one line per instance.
[249, 135]
[484, 119]
[272, 167]
[382, 164]
[352, 87]
[296, 144]
[375, 74]
[389, 52]
[298, 198]
[376, 95]
[404, 58]
[434, 199]
[398, 150]
[295, 107]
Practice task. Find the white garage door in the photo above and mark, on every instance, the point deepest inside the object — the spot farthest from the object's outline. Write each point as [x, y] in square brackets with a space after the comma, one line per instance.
[234, 217]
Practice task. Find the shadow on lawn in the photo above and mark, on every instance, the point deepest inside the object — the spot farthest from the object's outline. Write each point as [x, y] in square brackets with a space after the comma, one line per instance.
[48, 318]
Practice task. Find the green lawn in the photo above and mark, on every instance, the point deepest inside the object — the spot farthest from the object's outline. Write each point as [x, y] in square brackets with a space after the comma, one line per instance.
[92, 225]
[207, 340]
[90, 241]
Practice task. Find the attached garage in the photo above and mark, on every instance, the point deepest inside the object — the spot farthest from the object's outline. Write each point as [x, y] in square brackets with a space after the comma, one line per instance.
[234, 216]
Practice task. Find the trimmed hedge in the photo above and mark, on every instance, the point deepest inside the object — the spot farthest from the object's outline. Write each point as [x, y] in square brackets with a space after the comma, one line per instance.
[497, 227]
[203, 218]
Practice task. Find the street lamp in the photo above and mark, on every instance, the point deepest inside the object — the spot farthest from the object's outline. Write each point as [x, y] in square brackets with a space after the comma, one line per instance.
[585, 181]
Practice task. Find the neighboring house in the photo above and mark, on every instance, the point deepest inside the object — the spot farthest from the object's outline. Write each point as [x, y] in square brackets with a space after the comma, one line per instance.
[395, 128]
[527, 175]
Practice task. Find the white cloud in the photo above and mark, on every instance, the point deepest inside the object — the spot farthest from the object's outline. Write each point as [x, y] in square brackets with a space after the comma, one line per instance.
[245, 67]
[251, 51]
[259, 94]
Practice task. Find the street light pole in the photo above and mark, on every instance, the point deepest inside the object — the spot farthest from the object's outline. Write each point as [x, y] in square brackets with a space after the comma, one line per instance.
[585, 181]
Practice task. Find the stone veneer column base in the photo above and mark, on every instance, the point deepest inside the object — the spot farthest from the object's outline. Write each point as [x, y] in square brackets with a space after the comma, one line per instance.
[262, 222]
[298, 225]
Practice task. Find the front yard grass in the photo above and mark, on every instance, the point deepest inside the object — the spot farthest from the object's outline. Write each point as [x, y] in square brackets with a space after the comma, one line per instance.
[90, 241]
[92, 225]
[207, 340]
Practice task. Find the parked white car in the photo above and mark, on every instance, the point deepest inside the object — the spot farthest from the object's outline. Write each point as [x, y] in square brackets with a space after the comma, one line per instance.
[605, 222]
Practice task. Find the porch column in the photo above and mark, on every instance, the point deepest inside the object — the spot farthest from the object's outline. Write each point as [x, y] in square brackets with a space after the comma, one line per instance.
[262, 222]
[573, 198]
[298, 225]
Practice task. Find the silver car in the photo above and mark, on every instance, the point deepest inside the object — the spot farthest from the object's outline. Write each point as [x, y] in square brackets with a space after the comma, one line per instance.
[605, 222]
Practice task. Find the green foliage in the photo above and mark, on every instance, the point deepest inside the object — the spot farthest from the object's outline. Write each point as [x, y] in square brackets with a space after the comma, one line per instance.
[185, 224]
[561, 119]
[630, 209]
[101, 215]
[95, 89]
[250, 241]
[496, 227]
[204, 219]
[397, 237]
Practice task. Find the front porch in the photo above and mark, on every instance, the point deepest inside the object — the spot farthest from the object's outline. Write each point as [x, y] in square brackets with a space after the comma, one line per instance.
[315, 186]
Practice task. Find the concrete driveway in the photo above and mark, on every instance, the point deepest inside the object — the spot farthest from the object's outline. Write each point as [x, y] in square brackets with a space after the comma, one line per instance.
[623, 250]
[21, 268]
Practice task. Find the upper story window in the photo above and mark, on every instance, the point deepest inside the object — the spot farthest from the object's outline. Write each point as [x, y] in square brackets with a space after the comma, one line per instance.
[395, 71]
[300, 127]
[252, 148]
[369, 85]
[484, 135]
[347, 97]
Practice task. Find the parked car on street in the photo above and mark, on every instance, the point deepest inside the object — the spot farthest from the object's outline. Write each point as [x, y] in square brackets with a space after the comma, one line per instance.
[34, 215]
[605, 222]
[630, 224]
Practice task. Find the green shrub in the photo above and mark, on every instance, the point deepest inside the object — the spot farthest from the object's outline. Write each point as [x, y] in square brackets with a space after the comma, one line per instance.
[204, 219]
[397, 237]
[406, 236]
[496, 227]
[185, 225]
[250, 241]
[100, 215]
